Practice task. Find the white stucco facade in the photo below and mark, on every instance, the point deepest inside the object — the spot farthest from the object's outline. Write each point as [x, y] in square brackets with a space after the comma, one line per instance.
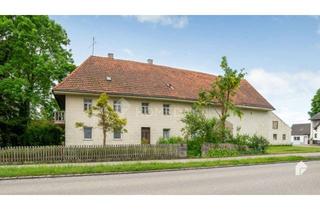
[299, 139]
[253, 121]
[315, 132]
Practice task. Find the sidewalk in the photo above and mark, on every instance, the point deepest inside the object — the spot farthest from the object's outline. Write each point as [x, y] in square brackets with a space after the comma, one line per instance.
[313, 155]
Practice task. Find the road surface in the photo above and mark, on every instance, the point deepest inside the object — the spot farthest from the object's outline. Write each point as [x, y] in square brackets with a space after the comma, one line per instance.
[259, 179]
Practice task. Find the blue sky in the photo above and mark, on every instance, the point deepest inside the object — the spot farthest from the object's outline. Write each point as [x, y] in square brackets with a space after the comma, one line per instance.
[279, 53]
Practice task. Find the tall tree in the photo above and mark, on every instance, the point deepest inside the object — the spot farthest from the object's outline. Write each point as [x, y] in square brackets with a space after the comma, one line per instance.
[221, 93]
[33, 56]
[315, 104]
[109, 119]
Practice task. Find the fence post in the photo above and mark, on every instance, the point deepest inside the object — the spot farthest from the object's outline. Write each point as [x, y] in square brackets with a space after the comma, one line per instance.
[182, 150]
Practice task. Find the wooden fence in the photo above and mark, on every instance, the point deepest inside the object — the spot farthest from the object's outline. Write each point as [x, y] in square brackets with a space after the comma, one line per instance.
[62, 154]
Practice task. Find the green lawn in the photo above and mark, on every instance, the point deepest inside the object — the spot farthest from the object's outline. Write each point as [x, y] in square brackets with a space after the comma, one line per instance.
[292, 149]
[16, 171]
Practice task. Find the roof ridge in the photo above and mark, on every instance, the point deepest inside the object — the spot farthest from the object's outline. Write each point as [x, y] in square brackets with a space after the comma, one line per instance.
[157, 65]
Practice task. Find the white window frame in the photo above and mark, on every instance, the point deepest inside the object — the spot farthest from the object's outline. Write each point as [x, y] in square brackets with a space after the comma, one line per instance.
[117, 106]
[275, 125]
[166, 109]
[145, 108]
[114, 134]
[84, 133]
[296, 138]
[87, 104]
[166, 133]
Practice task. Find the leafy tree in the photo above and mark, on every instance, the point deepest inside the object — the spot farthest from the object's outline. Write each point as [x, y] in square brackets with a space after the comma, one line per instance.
[33, 56]
[198, 126]
[221, 93]
[315, 104]
[109, 119]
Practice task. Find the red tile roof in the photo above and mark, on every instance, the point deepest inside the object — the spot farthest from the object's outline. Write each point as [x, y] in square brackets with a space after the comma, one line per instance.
[148, 80]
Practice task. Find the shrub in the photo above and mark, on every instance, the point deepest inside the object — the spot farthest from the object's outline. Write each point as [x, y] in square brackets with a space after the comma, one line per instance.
[42, 133]
[258, 143]
[194, 147]
[172, 140]
[221, 152]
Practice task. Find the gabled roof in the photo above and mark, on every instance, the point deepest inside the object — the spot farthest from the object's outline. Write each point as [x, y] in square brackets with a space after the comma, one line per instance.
[301, 129]
[315, 117]
[130, 78]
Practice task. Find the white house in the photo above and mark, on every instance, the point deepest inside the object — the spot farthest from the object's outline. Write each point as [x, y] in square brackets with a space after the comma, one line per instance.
[153, 99]
[315, 128]
[300, 133]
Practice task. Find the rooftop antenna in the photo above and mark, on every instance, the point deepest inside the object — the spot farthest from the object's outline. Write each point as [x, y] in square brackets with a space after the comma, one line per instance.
[92, 45]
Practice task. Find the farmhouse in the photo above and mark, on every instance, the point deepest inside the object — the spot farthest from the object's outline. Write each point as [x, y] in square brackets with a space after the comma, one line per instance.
[300, 133]
[153, 99]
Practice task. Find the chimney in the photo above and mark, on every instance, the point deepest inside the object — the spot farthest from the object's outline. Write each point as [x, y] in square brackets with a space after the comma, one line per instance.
[150, 61]
[110, 55]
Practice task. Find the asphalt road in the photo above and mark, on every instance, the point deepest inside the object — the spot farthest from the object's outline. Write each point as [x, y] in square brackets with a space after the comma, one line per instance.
[260, 179]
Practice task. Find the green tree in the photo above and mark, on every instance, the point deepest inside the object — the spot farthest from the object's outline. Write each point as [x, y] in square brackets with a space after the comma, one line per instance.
[198, 126]
[221, 93]
[33, 56]
[315, 104]
[109, 119]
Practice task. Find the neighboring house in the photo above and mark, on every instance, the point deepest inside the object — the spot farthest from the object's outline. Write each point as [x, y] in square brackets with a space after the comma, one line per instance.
[300, 133]
[315, 128]
[153, 99]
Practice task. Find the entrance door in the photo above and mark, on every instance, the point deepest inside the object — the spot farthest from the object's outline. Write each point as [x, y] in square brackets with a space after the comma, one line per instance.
[145, 135]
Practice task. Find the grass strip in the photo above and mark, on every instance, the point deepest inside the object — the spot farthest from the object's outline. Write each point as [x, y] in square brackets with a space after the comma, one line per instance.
[291, 149]
[19, 171]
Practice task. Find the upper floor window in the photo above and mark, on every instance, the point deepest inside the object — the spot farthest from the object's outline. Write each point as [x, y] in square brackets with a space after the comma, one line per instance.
[145, 108]
[315, 135]
[166, 109]
[117, 106]
[275, 124]
[87, 132]
[166, 133]
[284, 137]
[117, 134]
[87, 104]
[275, 136]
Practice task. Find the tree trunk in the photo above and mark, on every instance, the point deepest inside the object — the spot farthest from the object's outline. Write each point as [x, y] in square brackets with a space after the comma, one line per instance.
[104, 137]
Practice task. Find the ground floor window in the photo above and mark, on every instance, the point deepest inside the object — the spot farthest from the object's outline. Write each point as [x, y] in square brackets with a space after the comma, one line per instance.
[87, 132]
[117, 134]
[275, 136]
[166, 133]
[284, 137]
[296, 138]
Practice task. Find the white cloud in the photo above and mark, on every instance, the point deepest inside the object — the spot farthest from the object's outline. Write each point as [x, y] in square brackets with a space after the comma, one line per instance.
[165, 20]
[289, 93]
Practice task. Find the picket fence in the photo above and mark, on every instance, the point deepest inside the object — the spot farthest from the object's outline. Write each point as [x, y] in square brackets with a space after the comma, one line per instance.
[62, 154]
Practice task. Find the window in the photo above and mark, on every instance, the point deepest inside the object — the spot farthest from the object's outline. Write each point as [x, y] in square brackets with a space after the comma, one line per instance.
[275, 136]
[166, 133]
[284, 137]
[117, 134]
[87, 132]
[145, 108]
[275, 124]
[166, 109]
[87, 104]
[296, 138]
[117, 106]
[315, 135]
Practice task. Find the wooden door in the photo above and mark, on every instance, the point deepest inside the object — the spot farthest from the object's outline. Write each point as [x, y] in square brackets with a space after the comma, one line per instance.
[145, 135]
